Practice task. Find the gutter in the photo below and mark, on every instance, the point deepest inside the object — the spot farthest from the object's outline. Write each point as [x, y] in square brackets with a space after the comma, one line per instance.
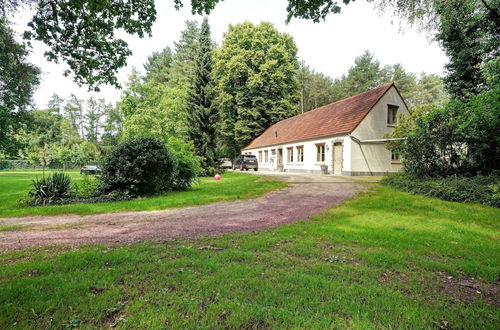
[375, 140]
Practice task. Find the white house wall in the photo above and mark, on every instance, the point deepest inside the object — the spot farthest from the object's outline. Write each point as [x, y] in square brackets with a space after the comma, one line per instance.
[370, 158]
[358, 156]
[309, 165]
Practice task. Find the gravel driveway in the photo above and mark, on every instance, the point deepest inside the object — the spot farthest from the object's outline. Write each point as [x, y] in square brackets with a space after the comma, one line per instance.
[298, 201]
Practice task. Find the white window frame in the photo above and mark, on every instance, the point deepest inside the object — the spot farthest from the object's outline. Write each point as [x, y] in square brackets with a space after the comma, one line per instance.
[300, 154]
[289, 155]
[320, 153]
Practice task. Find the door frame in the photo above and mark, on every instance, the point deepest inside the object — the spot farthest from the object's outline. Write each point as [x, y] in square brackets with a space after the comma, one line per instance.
[334, 169]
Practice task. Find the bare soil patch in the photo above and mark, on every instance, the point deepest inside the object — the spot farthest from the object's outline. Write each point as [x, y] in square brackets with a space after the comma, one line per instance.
[299, 201]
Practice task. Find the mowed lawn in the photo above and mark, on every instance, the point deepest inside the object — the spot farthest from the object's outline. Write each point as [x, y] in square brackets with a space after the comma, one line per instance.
[15, 184]
[385, 259]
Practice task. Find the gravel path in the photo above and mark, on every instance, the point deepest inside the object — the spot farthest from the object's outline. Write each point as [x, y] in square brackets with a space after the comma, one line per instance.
[296, 202]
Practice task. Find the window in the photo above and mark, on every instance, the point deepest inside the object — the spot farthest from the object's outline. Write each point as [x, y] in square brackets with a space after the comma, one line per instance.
[320, 153]
[392, 114]
[266, 156]
[395, 157]
[289, 153]
[260, 156]
[300, 154]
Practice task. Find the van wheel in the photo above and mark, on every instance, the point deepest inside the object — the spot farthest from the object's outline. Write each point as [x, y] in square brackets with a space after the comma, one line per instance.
[255, 169]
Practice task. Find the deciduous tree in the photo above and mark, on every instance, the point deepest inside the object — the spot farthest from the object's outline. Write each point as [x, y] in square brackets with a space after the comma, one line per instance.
[255, 70]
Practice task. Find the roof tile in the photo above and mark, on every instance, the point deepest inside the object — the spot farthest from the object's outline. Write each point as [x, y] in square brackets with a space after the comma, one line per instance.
[336, 118]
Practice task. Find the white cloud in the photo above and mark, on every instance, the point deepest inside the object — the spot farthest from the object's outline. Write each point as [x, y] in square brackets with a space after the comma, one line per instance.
[329, 47]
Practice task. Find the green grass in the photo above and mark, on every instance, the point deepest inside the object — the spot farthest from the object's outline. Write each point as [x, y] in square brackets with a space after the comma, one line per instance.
[377, 261]
[15, 185]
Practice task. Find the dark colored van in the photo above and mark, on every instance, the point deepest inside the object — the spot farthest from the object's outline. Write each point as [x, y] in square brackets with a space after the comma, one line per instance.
[246, 162]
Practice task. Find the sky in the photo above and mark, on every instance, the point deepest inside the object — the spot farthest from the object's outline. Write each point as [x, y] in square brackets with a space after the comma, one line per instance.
[328, 47]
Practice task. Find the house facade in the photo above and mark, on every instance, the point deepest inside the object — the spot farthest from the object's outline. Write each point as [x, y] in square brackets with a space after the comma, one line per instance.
[343, 138]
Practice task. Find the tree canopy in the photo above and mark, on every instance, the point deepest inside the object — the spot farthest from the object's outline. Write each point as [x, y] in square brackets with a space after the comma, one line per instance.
[255, 69]
[18, 80]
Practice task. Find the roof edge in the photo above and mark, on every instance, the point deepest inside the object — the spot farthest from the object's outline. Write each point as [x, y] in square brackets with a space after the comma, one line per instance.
[299, 140]
[389, 85]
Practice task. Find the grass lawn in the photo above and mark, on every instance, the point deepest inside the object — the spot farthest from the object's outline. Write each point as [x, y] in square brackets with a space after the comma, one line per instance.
[15, 185]
[386, 259]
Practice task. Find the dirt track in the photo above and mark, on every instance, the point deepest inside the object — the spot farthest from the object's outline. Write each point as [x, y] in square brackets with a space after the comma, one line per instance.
[291, 204]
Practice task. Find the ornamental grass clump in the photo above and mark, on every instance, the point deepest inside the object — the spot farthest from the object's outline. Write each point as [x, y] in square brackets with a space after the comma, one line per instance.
[51, 190]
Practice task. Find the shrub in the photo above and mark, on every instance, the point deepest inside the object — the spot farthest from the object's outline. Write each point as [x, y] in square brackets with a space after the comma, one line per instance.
[53, 189]
[88, 187]
[187, 165]
[461, 138]
[138, 166]
[479, 189]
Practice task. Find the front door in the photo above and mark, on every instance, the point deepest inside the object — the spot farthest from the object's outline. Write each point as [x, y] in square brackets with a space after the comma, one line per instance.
[337, 158]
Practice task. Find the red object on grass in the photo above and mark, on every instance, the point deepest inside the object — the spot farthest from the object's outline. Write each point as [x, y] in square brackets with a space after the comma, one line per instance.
[217, 177]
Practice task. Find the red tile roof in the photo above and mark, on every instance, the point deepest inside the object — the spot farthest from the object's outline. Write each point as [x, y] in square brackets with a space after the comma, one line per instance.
[336, 118]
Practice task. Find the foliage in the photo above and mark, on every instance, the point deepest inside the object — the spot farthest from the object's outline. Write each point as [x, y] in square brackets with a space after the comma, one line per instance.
[255, 69]
[52, 190]
[469, 32]
[140, 166]
[158, 65]
[82, 34]
[18, 80]
[88, 187]
[477, 189]
[154, 110]
[187, 164]
[315, 88]
[202, 117]
[460, 138]
[366, 73]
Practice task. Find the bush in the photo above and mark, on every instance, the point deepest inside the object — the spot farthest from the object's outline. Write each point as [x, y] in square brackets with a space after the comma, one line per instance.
[479, 189]
[139, 166]
[53, 189]
[187, 165]
[87, 188]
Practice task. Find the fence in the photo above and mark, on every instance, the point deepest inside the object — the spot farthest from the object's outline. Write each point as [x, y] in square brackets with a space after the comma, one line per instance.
[22, 164]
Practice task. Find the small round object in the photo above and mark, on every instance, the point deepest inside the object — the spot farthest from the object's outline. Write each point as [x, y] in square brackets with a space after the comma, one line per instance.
[217, 177]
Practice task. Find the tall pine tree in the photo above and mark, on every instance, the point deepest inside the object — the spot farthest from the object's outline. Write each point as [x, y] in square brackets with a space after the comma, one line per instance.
[202, 116]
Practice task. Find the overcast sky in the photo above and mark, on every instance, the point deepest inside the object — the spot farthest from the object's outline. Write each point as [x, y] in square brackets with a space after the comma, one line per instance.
[329, 47]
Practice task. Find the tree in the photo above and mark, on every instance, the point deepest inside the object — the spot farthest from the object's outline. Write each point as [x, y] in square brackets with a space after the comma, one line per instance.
[255, 69]
[73, 111]
[430, 92]
[155, 111]
[364, 75]
[405, 81]
[113, 125]
[469, 32]
[55, 104]
[185, 54]
[18, 81]
[158, 65]
[202, 117]
[315, 89]
[95, 111]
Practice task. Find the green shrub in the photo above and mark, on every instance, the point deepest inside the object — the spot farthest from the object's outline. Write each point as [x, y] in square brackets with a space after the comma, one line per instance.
[187, 165]
[138, 166]
[52, 190]
[88, 187]
[480, 189]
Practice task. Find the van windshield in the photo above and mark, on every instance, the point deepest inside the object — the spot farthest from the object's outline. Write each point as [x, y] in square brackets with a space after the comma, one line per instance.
[249, 157]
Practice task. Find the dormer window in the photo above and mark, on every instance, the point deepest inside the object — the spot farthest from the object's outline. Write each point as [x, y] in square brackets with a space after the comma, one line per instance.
[392, 114]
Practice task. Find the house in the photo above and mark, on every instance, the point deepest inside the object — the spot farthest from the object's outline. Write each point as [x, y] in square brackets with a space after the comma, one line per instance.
[343, 138]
